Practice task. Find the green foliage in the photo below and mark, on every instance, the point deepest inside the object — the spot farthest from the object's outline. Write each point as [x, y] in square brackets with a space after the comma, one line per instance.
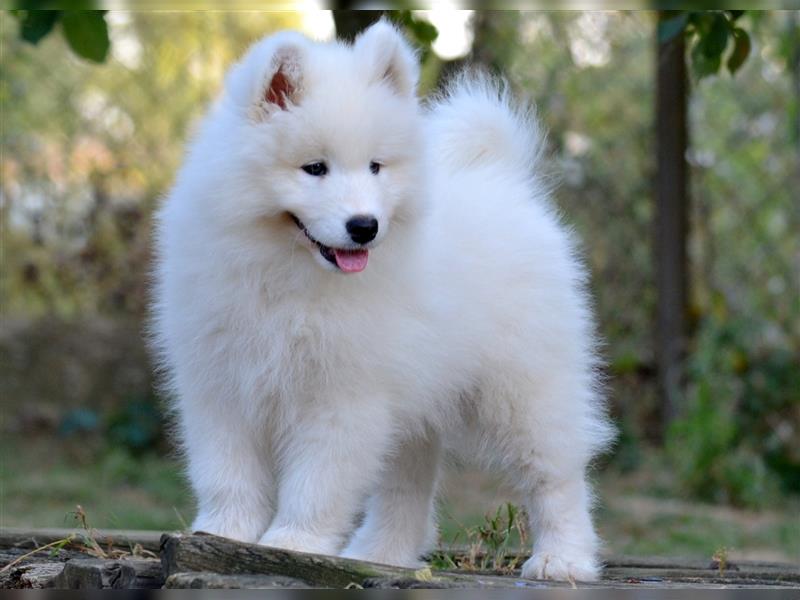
[708, 34]
[35, 24]
[737, 441]
[137, 426]
[86, 31]
[423, 31]
[93, 148]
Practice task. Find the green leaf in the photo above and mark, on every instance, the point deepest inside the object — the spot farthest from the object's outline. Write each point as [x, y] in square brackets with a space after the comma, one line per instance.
[402, 16]
[702, 21]
[424, 31]
[735, 14]
[669, 28]
[741, 50]
[36, 24]
[87, 33]
[716, 40]
[702, 64]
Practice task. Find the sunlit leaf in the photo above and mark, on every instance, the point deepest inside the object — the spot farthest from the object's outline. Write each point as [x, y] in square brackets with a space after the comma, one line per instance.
[87, 33]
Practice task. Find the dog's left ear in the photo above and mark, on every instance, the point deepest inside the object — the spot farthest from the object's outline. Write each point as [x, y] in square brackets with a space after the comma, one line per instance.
[389, 56]
[283, 79]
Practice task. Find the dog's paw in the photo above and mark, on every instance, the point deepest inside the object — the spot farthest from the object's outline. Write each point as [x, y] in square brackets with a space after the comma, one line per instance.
[384, 556]
[230, 528]
[298, 541]
[548, 565]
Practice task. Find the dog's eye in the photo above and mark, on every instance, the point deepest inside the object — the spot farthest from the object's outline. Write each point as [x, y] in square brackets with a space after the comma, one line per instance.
[317, 169]
[375, 167]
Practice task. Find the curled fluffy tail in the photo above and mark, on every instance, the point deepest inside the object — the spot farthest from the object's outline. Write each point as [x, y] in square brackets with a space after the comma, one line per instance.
[476, 122]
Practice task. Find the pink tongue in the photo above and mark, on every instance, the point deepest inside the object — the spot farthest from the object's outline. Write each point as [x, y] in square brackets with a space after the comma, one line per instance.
[351, 261]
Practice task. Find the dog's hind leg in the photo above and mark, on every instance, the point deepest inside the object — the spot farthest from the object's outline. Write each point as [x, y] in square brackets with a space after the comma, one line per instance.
[542, 435]
[400, 524]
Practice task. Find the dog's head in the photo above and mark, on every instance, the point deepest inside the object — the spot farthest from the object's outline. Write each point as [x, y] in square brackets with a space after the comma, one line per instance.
[329, 134]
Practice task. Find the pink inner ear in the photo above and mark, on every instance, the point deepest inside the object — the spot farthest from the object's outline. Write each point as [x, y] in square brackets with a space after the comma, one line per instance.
[279, 90]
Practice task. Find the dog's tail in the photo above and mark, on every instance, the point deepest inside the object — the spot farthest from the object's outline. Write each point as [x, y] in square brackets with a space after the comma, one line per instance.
[477, 122]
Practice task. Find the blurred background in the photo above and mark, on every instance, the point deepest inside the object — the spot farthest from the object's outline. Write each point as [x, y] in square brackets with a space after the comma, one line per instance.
[674, 144]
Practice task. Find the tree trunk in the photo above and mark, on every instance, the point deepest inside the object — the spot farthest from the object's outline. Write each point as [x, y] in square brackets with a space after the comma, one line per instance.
[494, 39]
[671, 221]
[349, 23]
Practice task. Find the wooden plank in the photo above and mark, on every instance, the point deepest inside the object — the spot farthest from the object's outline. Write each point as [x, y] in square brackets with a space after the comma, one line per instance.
[206, 561]
[15, 537]
[209, 553]
[121, 574]
[741, 577]
[206, 553]
[96, 574]
[37, 575]
[215, 581]
[203, 552]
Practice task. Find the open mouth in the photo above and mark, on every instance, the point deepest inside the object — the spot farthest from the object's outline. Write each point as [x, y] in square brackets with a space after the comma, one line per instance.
[348, 260]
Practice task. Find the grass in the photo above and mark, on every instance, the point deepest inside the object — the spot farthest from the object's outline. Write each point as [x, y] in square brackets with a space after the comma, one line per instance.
[648, 526]
[488, 545]
[41, 482]
[40, 485]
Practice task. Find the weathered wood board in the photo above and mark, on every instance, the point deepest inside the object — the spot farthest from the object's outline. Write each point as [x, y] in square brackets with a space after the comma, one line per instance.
[127, 560]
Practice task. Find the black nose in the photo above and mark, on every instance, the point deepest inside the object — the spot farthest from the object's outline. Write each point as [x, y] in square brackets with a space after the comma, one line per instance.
[362, 229]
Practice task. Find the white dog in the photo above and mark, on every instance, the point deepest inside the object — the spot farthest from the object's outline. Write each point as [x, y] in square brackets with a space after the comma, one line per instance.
[350, 287]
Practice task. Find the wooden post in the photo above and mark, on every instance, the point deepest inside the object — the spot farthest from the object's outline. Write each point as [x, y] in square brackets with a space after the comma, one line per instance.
[671, 221]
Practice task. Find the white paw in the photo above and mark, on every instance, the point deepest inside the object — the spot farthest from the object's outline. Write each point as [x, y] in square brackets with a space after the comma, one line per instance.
[384, 557]
[298, 540]
[234, 529]
[548, 565]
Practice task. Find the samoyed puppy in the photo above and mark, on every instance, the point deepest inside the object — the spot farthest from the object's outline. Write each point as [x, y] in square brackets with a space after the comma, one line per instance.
[351, 287]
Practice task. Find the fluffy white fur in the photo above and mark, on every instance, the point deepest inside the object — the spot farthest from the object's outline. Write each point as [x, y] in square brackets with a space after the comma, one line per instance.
[306, 396]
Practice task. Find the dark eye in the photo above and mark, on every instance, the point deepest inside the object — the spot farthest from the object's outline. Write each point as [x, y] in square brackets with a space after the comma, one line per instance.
[317, 169]
[375, 167]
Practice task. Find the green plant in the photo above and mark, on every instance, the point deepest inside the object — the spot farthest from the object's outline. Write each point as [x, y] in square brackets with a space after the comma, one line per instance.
[720, 557]
[491, 545]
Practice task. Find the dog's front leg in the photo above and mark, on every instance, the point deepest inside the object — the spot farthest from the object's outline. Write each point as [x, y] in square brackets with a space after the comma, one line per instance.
[400, 525]
[332, 456]
[227, 469]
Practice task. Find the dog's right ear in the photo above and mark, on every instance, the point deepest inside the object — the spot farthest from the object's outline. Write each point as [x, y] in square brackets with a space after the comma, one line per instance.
[270, 77]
